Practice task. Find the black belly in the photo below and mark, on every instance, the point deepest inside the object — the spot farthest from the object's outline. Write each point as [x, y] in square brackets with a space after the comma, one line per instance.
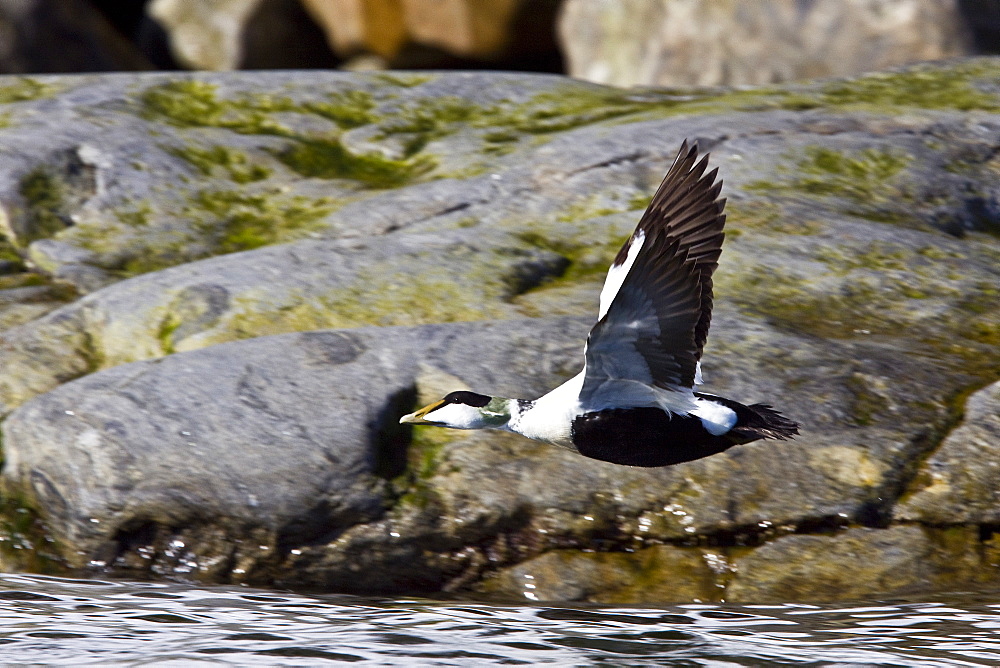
[646, 437]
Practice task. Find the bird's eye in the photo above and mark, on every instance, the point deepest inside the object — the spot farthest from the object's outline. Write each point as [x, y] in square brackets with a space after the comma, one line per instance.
[467, 398]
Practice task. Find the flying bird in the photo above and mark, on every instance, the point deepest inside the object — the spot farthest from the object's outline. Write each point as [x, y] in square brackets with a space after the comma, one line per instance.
[635, 401]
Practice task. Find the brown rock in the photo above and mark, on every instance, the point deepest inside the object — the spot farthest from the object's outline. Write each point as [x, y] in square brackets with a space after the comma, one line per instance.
[354, 26]
[475, 29]
[861, 563]
[655, 574]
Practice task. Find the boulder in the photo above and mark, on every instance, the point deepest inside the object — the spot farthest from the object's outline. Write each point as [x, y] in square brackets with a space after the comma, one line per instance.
[229, 457]
[226, 229]
[960, 481]
[412, 32]
[241, 34]
[663, 43]
[897, 561]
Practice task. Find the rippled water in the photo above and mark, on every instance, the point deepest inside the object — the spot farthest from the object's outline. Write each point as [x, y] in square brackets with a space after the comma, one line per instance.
[54, 620]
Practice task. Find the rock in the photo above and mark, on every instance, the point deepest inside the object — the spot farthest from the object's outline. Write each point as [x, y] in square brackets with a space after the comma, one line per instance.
[205, 35]
[200, 461]
[658, 573]
[234, 34]
[960, 482]
[898, 561]
[664, 43]
[312, 284]
[67, 36]
[856, 293]
[498, 31]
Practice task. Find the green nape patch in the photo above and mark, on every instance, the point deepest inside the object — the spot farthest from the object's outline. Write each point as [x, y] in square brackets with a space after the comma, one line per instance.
[234, 163]
[926, 87]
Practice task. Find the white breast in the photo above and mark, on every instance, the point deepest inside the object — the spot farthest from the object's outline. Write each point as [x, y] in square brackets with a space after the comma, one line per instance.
[551, 416]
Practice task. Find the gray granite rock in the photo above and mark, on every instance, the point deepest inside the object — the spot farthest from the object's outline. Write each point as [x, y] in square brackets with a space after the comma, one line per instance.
[960, 482]
[660, 43]
[240, 450]
[857, 293]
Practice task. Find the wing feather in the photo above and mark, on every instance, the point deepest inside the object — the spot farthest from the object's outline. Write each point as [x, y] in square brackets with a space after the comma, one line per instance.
[656, 305]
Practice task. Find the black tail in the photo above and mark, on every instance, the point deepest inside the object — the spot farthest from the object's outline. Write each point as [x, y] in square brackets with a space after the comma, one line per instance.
[756, 421]
[762, 421]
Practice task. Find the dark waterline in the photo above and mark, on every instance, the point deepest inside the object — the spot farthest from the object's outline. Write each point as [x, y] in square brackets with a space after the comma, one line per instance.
[62, 621]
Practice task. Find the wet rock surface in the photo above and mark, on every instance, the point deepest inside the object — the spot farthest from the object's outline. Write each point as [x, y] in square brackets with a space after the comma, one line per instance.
[294, 252]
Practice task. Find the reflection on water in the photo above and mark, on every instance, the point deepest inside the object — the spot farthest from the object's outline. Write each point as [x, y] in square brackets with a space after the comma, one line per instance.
[54, 620]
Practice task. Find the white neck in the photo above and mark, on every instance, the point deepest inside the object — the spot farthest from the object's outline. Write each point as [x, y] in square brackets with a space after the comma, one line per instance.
[550, 417]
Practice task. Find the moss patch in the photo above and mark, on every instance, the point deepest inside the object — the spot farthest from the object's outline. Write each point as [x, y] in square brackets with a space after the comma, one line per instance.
[165, 333]
[764, 216]
[234, 163]
[348, 109]
[424, 455]
[223, 221]
[406, 80]
[44, 196]
[378, 296]
[139, 216]
[243, 221]
[192, 103]
[328, 159]
[25, 90]
[410, 300]
[866, 180]
[25, 542]
[924, 87]
[8, 252]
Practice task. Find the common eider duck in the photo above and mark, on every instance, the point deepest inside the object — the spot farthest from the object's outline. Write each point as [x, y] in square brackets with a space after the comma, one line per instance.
[634, 403]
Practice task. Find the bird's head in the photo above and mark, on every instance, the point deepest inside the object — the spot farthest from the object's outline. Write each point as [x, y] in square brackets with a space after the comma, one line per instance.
[463, 410]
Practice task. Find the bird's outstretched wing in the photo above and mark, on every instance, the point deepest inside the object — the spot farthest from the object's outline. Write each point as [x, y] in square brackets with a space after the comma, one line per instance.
[656, 305]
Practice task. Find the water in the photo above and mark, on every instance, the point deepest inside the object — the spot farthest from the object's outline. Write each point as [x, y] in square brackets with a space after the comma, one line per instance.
[62, 621]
